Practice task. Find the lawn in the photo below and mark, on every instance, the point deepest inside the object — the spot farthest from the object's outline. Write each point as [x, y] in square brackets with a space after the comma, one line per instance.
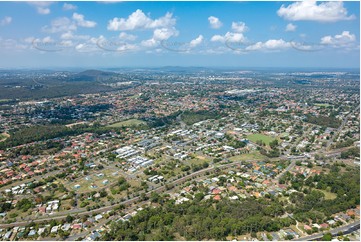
[128, 123]
[254, 137]
[198, 160]
[328, 195]
[4, 136]
[322, 105]
[250, 156]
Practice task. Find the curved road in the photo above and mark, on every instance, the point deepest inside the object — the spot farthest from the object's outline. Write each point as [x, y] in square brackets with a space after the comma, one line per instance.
[347, 229]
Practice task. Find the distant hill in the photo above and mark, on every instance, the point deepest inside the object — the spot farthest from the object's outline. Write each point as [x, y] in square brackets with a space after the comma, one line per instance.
[90, 75]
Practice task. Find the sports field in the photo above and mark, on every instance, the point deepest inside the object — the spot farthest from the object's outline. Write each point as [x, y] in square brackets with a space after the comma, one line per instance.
[266, 139]
[128, 123]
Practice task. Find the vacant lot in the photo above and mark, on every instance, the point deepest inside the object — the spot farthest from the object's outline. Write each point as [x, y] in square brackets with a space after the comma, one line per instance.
[250, 156]
[4, 136]
[328, 195]
[128, 123]
[266, 139]
[322, 105]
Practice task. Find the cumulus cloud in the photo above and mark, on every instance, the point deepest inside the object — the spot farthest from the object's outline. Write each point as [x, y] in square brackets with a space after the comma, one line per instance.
[197, 41]
[62, 24]
[164, 33]
[68, 6]
[42, 7]
[214, 22]
[79, 19]
[290, 27]
[160, 35]
[5, 21]
[270, 45]
[150, 43]
[310, 10]
[125, 36]
[343, 39]
[12, 45]
[239, 27]
[138, 20]
[229, 37]
[71, 36]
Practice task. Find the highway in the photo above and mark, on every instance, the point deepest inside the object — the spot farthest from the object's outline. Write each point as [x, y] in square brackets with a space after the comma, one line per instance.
[347, 229]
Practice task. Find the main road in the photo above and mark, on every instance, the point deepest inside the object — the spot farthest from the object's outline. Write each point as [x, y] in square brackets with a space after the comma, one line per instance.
[127, 202]
[344, 121]
[347, 229]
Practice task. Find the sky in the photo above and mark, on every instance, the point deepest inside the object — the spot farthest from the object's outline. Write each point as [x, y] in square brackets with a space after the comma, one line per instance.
[153, 34]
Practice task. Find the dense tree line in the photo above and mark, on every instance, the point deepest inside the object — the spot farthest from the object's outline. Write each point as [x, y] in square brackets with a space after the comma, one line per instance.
[191, 117]
[325, 121]
[353, 152]
[201, 220]
[45, 132]
[310, 204]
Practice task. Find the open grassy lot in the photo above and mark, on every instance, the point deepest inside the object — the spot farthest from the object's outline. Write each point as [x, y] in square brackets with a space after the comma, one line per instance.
[254, 137]
[128, 123]
[4, 136]
[328, 195]
[251, 156]
[322, 105]
[94, 178]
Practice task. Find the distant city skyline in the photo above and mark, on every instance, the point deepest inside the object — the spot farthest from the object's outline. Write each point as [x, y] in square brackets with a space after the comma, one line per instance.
[153, 34]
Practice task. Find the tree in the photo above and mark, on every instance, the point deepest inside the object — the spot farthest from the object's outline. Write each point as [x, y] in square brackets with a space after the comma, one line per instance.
[69, 219]
[327, 237]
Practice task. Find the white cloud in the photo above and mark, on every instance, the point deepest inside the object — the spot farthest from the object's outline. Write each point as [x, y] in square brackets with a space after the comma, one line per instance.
[290, 27]
[70, 36]
[164, 33]
[29, 40]
[149, 43]
[125, 36]
[68, 6]
[309, 10]
[160, 35]
[197, 41]
[343, 39]
[5, 21]
[47, 39]
[272, 44]
[215, 22]
[62, 24]
[43, 10]
[229, 37]
[138, 20]
[12, 45]
[42, 7]
[239, 27]
[79, 18]
[127, 47]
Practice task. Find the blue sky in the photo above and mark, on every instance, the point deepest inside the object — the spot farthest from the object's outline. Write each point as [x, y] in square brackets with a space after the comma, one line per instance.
[141, 34]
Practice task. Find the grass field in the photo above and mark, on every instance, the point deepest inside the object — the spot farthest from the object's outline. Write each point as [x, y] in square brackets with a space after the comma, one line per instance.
[322, 105]
[4, 136]
[328, 195]
[254, 137]
[128, 123]
[250, 156]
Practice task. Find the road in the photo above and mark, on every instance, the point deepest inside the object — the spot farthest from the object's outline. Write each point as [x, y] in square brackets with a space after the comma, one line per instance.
[347, 229]
[82, 211]
[344, 121]
[127, 202]
[288, 168]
